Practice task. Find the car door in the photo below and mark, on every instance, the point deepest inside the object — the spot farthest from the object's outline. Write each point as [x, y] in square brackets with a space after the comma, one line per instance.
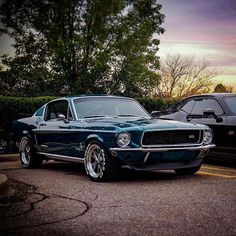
[53, 133]
[196, 116]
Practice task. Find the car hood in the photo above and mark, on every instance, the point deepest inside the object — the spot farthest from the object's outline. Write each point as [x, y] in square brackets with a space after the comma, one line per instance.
[133, 124]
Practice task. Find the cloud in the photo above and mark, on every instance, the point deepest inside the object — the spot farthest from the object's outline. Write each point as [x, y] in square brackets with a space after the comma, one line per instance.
[203, 28]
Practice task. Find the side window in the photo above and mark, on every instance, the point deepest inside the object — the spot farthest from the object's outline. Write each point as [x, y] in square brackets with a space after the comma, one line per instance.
[56, 108]
[39, 112]
[203, 104]
[188, 106]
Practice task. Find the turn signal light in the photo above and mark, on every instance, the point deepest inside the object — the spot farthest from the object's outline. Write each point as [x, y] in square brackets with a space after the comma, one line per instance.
[231, 132]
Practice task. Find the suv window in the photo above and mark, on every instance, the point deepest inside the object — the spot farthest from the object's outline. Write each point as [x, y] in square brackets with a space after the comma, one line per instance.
[231, 103]
[188, 106]
[203, 104]
[56, 108]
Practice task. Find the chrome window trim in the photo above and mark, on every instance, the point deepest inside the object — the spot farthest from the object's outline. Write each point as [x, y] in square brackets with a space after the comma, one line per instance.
[57, 100]
[74, 111]
[174, 145]
[62, 157]
[110, 96]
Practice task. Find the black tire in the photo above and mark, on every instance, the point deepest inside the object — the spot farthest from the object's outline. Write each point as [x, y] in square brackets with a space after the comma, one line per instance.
[187, 171]
[99, 165]
[28, 156]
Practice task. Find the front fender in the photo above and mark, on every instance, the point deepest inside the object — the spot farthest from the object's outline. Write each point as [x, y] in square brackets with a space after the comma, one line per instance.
[95, 137]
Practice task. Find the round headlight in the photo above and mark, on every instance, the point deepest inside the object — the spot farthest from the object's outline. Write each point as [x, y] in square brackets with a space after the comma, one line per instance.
[208, 136]
[123, 140]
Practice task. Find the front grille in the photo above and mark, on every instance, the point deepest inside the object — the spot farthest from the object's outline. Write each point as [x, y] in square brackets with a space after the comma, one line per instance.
[172, 137]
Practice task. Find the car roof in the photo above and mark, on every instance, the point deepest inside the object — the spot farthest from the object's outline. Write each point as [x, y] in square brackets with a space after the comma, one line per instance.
[216, 95]
[94, 95]
[72, 97]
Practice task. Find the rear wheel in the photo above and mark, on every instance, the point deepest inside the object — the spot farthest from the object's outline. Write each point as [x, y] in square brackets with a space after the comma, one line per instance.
[99, 165]
[28, 156]
[187, 171]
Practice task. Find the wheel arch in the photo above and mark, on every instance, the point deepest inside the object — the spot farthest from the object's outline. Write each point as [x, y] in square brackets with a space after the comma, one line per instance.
[111, 165]
[100, 140]
[28, 134]
[94, 137]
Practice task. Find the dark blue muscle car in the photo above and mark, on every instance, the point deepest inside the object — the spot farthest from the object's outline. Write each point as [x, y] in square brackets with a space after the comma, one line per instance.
[106, 132]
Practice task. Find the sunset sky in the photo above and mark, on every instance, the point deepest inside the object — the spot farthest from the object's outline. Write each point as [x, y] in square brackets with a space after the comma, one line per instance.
[204, 28]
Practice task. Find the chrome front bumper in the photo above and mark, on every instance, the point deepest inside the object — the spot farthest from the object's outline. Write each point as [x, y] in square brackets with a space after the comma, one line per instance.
[164, 149]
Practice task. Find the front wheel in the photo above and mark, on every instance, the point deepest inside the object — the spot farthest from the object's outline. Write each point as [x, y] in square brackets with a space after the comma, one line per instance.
[99, 165]
[187, 171]
[29, 158]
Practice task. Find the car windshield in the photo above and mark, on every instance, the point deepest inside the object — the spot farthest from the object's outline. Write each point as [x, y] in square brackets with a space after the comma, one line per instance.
[231, 103]
[98, 107]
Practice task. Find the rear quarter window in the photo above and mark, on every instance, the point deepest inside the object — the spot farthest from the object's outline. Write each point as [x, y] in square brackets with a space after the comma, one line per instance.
[39, 112]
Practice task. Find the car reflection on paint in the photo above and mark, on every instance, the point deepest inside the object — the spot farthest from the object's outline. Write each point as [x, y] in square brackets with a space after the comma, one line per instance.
[107, 132]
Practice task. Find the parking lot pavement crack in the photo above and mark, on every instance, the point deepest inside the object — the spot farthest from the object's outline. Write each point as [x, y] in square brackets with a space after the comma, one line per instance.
[95, 196]
[33, 207]
[33, 188]
[74, 199]
[120, 206]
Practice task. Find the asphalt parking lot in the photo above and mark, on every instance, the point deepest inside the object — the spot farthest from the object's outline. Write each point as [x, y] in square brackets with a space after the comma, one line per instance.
[60, 199]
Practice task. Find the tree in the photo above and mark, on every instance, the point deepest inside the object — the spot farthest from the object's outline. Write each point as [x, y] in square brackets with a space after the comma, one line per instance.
[182, 76]
[220, 88]
[83, 46]
[230, 89]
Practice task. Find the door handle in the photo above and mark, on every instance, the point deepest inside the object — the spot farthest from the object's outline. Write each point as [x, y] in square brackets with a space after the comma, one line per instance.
[43, 124]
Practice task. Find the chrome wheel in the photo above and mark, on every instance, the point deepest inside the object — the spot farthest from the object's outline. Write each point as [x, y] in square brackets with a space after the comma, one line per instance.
[95, 161]
[25, 151]
[28, 156]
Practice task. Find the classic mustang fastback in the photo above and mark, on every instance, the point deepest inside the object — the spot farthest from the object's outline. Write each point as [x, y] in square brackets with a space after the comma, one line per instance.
[107, 132]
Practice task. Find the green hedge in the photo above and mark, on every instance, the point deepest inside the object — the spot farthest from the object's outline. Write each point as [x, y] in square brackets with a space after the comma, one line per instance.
[12, 108]
[153, 104]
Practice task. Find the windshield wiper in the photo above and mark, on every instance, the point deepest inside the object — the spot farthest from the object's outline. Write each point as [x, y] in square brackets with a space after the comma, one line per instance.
[93, 116]
[124, 115]
[131, 115]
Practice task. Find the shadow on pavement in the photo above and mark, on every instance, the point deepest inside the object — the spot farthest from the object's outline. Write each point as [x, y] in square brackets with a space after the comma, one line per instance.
[125, 174]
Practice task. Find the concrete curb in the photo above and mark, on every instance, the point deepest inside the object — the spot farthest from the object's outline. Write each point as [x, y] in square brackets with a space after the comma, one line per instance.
[4, 186]
[9, 157]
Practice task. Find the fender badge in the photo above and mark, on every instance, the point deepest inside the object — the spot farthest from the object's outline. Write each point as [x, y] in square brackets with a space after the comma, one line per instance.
[80, 148]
